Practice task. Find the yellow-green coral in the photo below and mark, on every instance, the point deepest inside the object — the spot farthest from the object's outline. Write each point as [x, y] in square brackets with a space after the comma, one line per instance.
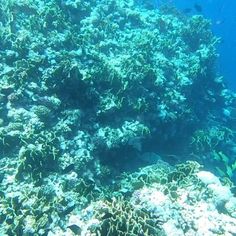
[119, 218]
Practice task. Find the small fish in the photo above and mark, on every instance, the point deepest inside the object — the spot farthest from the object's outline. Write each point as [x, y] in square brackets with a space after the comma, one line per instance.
[219, 22]
[198, 7]
[68, 168]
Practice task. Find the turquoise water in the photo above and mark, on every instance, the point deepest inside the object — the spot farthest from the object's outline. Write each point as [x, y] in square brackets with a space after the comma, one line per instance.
[116, 118]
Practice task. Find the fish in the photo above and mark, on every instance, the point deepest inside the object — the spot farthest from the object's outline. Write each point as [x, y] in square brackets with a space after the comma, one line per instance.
[198, 7]
[219, 22]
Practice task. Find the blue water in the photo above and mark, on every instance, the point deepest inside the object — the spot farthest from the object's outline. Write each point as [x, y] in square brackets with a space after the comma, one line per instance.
[223, 16]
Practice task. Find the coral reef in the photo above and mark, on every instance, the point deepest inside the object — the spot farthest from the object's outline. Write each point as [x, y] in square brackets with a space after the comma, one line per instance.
[70, 67]
[86, 88]
[199, 198]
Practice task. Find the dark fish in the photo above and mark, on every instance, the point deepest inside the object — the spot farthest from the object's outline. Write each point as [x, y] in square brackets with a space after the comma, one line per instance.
[66, 210]
[68, 168]
[198, 7]
[75, 229]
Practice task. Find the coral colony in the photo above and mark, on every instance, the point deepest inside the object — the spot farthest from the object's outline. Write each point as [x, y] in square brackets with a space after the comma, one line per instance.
[113, 122]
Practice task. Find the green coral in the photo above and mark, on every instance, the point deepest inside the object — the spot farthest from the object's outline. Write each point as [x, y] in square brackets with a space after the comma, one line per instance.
[169, 179]
[211, 138]
[130, 130]
[119, 218]
[39, 158]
